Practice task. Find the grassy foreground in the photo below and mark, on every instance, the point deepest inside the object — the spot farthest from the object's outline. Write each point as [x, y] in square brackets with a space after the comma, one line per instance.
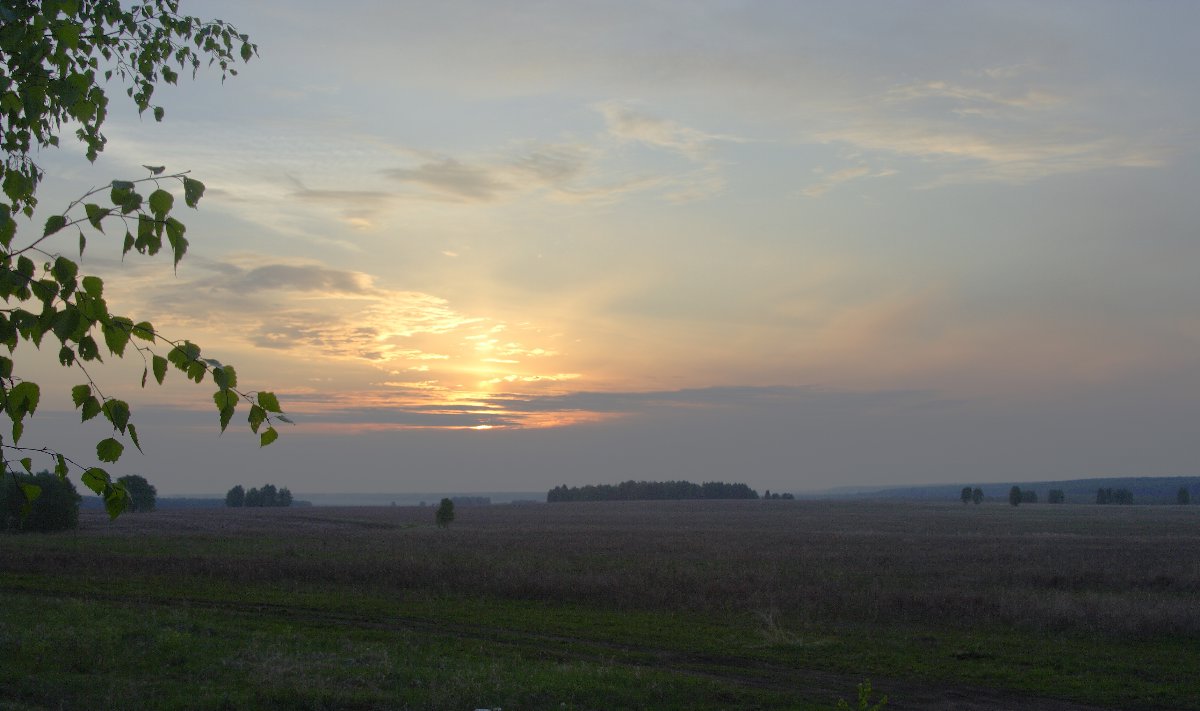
[696, 605]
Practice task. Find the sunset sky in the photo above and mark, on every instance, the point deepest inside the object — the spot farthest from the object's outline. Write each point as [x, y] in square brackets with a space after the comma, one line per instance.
[479, 246]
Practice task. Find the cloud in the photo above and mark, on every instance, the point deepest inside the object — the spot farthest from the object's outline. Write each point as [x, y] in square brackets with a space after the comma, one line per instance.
[630, 125]
[452, 179]
[845, 175]
[293, 277]
[993, 125]
[1024, 98]
[962, 154]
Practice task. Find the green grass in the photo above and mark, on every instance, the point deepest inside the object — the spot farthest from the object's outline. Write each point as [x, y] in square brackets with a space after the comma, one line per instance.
[697, 606]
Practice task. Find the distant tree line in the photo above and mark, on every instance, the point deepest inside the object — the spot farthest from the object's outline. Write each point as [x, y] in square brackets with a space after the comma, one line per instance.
[651, 491]
[1109, 495]
[777, 496]
[268, 495]
[971, 495]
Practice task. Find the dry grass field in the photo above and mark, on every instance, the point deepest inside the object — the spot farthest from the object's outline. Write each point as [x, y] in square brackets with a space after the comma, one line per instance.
[778, 604]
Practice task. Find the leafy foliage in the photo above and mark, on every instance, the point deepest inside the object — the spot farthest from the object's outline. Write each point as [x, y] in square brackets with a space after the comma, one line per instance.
[57, 58]
[54, 506]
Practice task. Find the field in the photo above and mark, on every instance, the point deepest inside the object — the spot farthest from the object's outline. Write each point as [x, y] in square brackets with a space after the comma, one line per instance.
[663, 605]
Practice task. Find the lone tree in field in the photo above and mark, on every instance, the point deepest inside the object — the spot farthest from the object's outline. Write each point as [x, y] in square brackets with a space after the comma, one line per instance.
[1183, 496]
[966, 495]
[977, 495]
[58, 59]
[142, 494]
[445, 513]
[1014, 496]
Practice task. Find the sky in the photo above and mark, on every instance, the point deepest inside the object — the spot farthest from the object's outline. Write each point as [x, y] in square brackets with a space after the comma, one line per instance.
[479, 246]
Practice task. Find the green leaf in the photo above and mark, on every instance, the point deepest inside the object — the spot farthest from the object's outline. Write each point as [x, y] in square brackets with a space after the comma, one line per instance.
[67, 34]
[80, 394]
[8, 226]
[121, 190]
[225, 399]
[158, 113]
[144, 331]
[17, 429]
[193, 190]
[268, 401]
[109, 450]
[60, 466]
[23, 399]
[159, 365]
[182, 356]
[82, 243]
[95, 479]
[116, 334]
[175, 238]
[196, 371]
[53, 224]
[134, 436]
[225, 377]
[117, 412]
[64, 271]
[267, 437]
[28, 464]
[30, 491]
[161, 202]
[91, 408]
[129, 242]
[95, 214]
[88, 350]
[93, 285]
[256, 418]
[116, 499]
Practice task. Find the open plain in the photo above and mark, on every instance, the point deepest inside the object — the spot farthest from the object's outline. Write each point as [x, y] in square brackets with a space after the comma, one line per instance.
[754, 604]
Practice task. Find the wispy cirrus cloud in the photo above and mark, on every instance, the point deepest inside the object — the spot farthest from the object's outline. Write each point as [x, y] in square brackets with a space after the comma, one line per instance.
[995, 124]
[829, 181]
